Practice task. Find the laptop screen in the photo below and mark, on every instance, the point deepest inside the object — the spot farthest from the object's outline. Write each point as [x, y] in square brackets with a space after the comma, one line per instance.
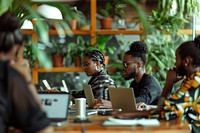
[122, 98]
[55, 104]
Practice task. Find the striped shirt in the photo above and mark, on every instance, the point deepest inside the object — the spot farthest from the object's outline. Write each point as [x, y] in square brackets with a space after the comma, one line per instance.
[185, 102]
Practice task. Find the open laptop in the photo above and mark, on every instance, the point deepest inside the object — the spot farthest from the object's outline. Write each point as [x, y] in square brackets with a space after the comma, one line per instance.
[91, 101]
[122, 98]
[89, 95]
[56, 105]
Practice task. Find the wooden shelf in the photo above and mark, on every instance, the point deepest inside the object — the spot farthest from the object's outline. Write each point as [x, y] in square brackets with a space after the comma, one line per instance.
[58, 69]
[116, 31]
[76, 32]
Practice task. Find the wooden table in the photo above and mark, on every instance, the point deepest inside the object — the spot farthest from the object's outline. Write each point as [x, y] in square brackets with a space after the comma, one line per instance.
[173, 126]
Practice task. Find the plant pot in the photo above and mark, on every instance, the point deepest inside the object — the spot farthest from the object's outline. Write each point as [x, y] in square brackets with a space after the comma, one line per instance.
[57, 60]
[77, 61]
[106, 23]
[106, 59]
[73, 24]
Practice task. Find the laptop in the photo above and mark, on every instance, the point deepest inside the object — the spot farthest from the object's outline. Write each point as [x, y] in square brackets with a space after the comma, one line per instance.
[91, 101]
[122, 98]
[89, 95]
[56, 105]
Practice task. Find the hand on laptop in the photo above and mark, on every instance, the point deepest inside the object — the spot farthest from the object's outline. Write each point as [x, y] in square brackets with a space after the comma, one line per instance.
[100, 103]
[142, 106]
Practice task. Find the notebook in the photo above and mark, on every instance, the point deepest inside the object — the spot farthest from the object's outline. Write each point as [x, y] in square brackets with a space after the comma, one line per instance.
[89, 95]
[122, 98]
[56, 105]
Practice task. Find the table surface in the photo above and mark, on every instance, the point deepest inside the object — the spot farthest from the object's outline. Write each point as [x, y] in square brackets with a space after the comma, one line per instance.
[173, 126]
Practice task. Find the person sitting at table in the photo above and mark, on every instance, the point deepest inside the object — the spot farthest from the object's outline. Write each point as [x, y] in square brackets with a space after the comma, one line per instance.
[185, 102]
[93, 65]
[146, 87]
[19, 105]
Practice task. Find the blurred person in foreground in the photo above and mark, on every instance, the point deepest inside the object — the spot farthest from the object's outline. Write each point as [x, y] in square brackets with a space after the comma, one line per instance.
[146, 87]
[185, 102]
[19, 105]
[93, 65]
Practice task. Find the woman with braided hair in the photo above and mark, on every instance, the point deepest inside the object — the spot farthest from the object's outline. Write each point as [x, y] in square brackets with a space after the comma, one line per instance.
[146, 87]
[93, 65]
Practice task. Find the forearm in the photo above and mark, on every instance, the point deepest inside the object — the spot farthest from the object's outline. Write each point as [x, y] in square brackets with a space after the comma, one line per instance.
[167, 89]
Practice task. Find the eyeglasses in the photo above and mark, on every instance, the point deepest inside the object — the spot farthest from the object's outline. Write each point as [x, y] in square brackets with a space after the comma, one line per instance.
[125, 64]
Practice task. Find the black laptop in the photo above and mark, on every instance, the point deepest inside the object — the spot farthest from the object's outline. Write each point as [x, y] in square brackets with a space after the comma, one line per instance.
[56, 105]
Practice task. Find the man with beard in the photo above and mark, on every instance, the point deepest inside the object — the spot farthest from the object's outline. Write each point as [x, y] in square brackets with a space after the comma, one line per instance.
[146, 87]
[185, 102]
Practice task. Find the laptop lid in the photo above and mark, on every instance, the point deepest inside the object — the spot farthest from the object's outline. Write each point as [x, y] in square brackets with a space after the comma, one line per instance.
[56, 105]
[89, 95]
[122, 98]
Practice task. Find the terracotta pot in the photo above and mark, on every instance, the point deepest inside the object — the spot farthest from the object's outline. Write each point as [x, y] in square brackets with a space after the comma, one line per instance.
[106, 60]
[57, 60]
[73, 24]
[106, 23]
[77, 61]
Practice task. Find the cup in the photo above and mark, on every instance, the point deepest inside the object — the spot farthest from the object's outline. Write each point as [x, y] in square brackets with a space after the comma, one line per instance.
[80, 104]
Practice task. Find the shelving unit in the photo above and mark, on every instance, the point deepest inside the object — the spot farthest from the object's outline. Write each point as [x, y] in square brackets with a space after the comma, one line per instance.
[93, 32]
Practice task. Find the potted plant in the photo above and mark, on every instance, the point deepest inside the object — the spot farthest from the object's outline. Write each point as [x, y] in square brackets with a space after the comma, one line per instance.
[76, 50]
[106, 20]
[102, 45]
[57, 54]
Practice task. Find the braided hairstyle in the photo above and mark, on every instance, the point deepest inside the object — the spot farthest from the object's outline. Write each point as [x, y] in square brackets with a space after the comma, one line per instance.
[10, 33]
[138, 49]
[95, 55]
[192, 49]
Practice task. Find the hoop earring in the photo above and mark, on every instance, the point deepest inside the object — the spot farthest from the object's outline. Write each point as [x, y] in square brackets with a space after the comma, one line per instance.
[97, 69]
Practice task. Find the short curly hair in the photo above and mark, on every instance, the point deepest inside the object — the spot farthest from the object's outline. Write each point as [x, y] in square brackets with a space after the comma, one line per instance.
[138, 49]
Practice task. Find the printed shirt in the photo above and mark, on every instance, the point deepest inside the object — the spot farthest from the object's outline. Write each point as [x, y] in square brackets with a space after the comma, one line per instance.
[99, 84]
[185, 102]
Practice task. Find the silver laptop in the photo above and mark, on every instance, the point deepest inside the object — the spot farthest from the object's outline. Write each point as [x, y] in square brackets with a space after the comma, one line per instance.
[91, 100]
[89, 95]
[56, 105]
[122, 98]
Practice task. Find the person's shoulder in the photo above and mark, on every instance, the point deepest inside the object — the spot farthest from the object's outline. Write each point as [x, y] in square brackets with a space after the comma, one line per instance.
[151, 80]
[150, 77]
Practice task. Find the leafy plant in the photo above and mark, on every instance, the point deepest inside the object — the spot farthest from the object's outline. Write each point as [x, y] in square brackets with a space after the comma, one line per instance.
[119, 8]
[107, 11]
[24, 10]
[78, 48]
[57, 48]
[164, 38]
[102, 44]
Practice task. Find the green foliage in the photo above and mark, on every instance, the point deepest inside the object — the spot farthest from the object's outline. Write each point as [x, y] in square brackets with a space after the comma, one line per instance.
[141, 14]
[119, 8]
[78, 48]
[24, 11]
[163, 39]
[106, 12]
[102, 44]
